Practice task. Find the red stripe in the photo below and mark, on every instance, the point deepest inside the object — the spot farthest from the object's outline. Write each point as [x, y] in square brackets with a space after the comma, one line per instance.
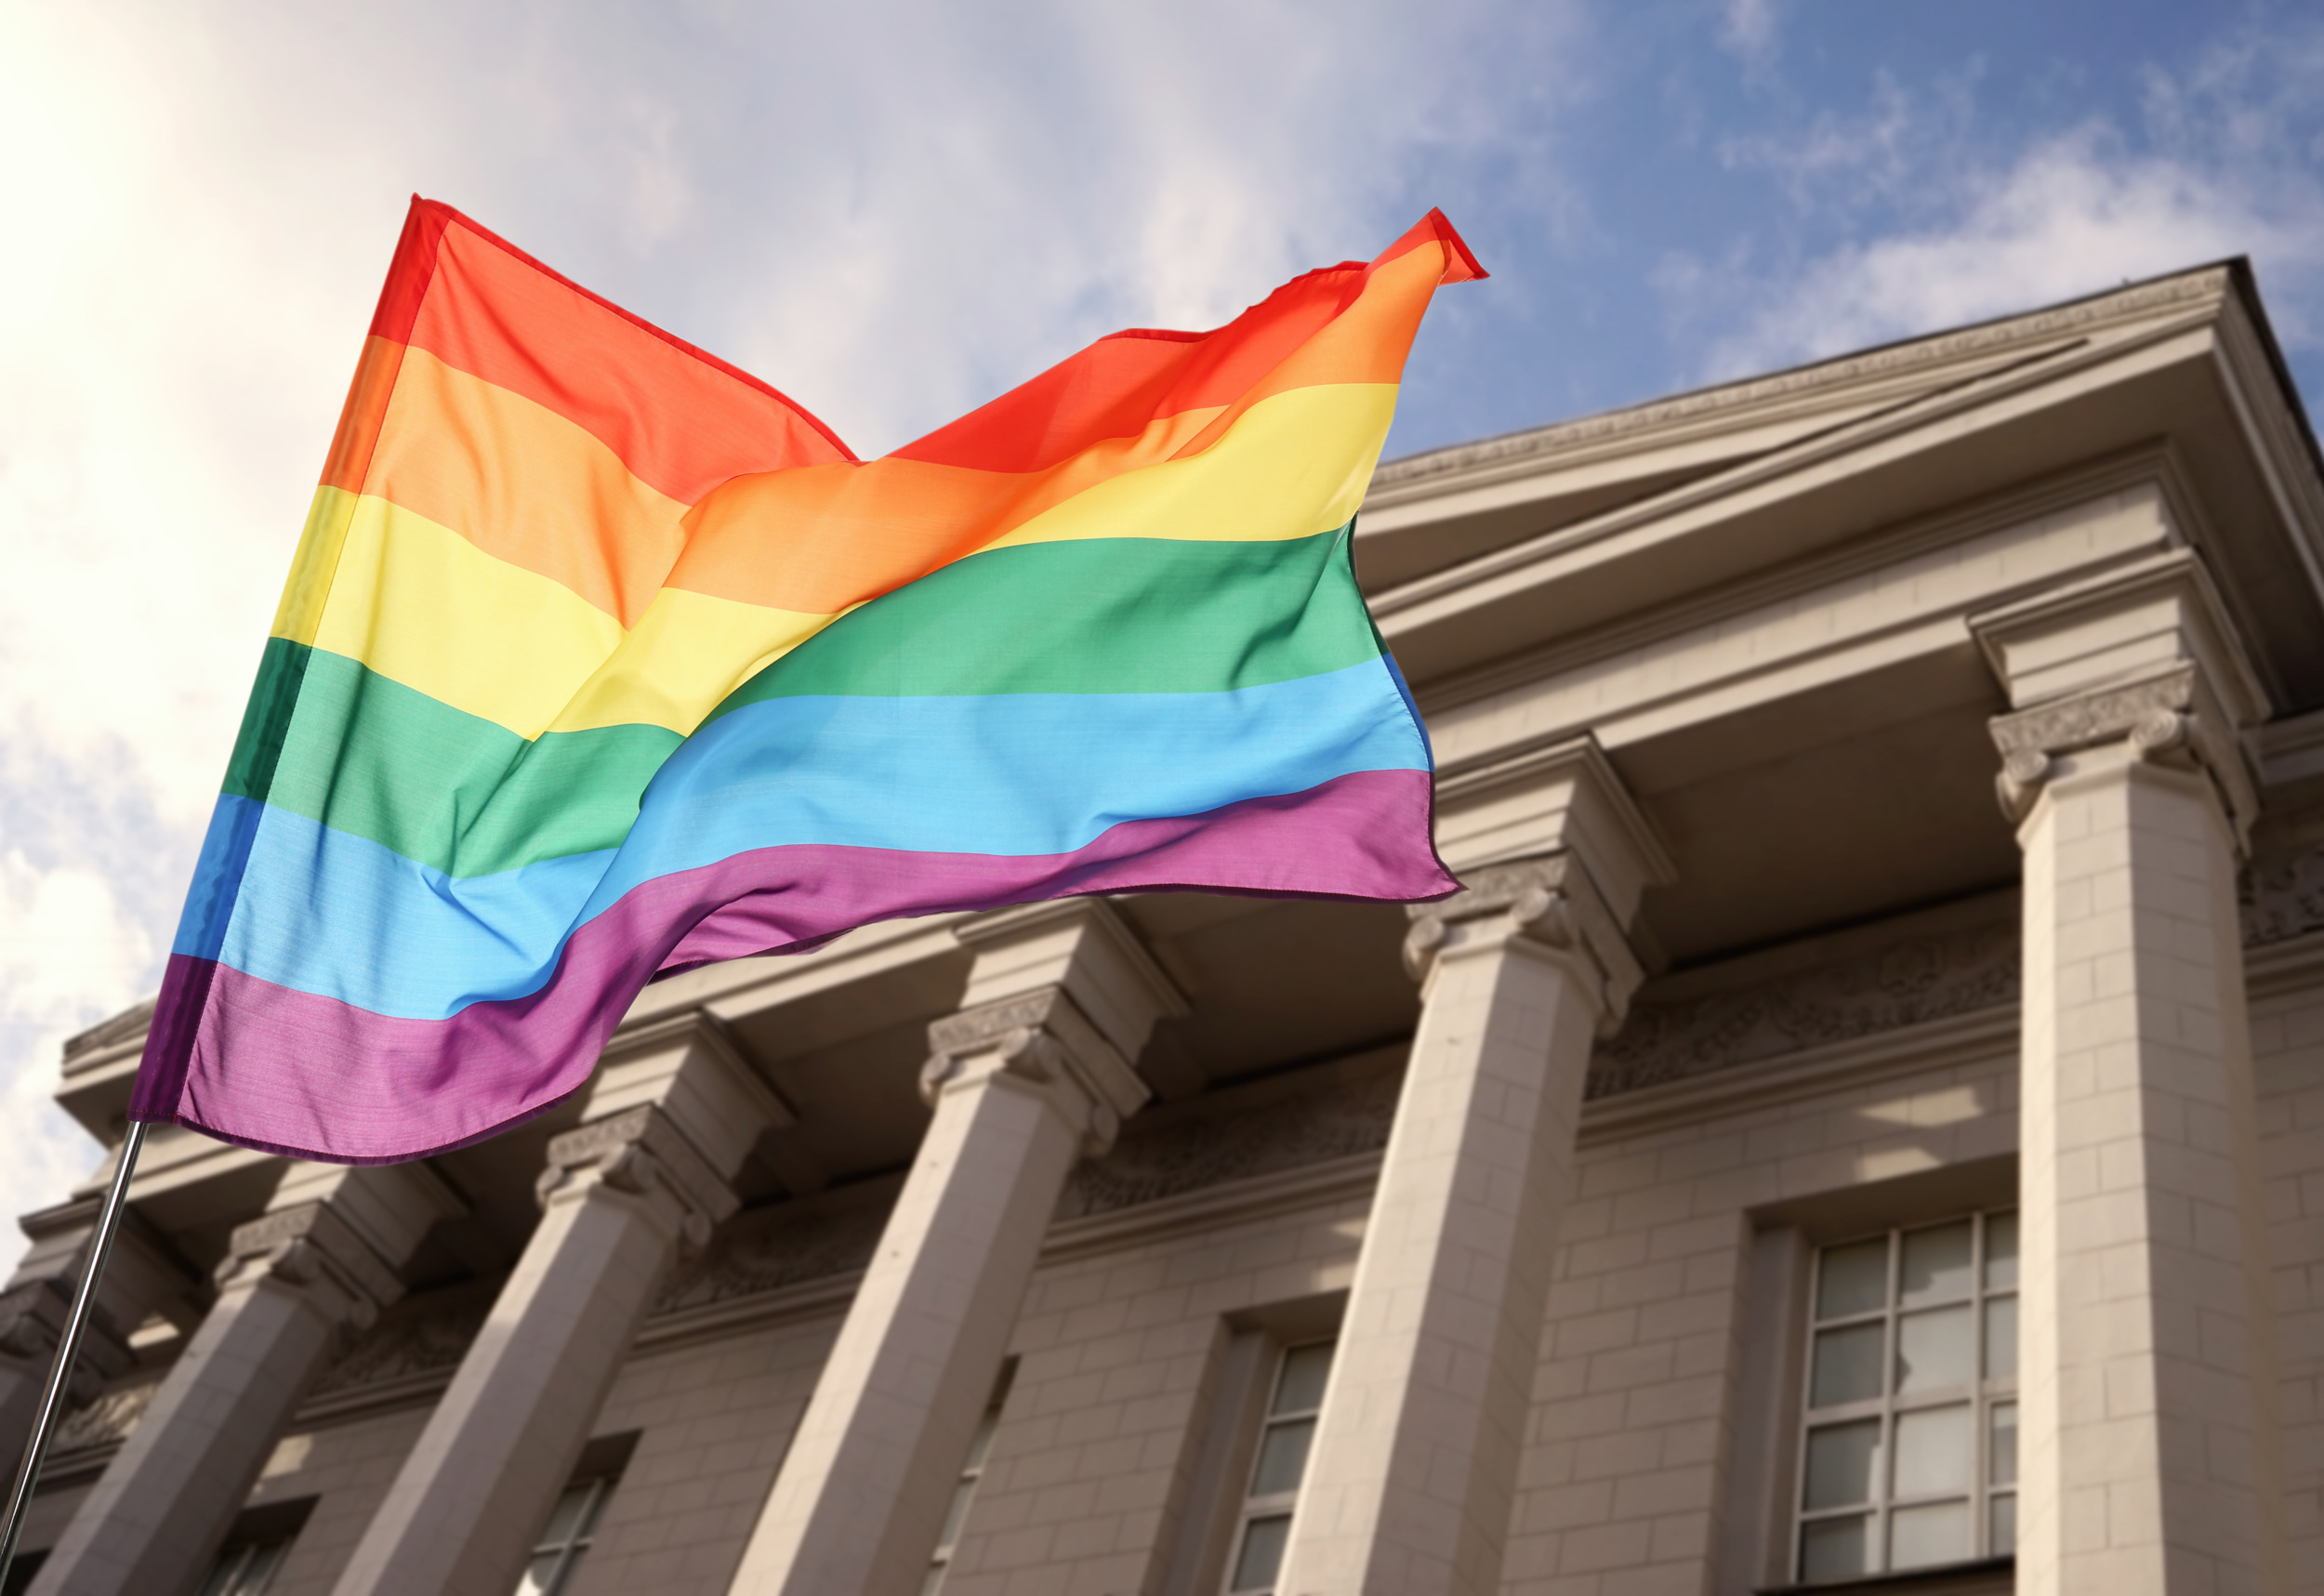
[681, 419]
[411, 271]
[1124, 382]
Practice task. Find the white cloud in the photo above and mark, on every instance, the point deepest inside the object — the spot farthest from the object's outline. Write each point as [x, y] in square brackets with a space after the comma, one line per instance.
[69, 956]
[892, 211]
[1909, 217]
[1747, 32]
[2067, 219]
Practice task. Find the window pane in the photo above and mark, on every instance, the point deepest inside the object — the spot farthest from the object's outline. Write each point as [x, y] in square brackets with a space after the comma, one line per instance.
[598, 1499]
[956, 1514]
[537, 1575]
[2000, 1252]
[572, 1563]
[1847, 1364]
[1935, 1351]
[1933, 1451]
[1853, 1280]
[1936, 1265]
[1840, 1462]
[2000, 1338]
[567, 1515]
[2002, 1537]
[1301, 1387]
[983, 1442]
[1282, 1456]
[258, 1572]
[2001, 1454]
[1918, 1537]
[224, 1572]
[934, 1580]
[1835, 1548]
[1263, 1540]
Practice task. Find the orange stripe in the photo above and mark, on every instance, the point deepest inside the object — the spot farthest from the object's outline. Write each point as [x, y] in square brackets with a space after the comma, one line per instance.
[679, 423]
[1367, 342]
[525, 486]
[359, 420]
[791, 540]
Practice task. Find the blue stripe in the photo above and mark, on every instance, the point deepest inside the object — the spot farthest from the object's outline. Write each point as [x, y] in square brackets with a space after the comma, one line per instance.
[325, 912]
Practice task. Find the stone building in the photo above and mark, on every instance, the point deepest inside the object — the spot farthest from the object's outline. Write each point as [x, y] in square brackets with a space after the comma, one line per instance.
[1862, 1125]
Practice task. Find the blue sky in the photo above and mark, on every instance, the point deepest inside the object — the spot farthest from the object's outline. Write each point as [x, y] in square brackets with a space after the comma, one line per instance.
[893, 211]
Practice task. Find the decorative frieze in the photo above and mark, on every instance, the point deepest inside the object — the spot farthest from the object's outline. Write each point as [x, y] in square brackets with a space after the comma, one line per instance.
[424, 1337]
[1907, 983]
[1338, 1121]
[2283, 896]
[105, 1422]
[787, 1245]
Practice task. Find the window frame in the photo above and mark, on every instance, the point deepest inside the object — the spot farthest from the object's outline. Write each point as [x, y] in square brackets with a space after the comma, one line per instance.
[575, 1545]
[1982, 1395]
[1249, 1507]
[965, 1483]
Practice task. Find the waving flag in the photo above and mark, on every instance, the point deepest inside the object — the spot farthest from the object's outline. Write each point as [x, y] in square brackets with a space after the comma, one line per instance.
[601, 659]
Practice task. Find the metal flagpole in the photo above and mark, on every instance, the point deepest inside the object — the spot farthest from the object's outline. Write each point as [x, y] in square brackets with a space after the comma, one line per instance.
[69, 1345]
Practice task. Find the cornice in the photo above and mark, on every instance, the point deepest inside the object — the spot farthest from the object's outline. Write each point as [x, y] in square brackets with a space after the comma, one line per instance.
[1823, 377]
[2154, 466]
[1764, 470]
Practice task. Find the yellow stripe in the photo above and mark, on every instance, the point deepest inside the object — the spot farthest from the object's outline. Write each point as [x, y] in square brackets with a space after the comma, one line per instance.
[1291, 466]
[687, 653]
[421, 604]
[311, 568]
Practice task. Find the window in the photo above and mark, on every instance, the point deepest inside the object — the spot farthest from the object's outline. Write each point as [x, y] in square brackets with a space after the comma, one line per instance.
[255, 1548]
[964, 1490]
[1263, 1528]
[1909, 1454]
[246, 1570]
[566, 1540]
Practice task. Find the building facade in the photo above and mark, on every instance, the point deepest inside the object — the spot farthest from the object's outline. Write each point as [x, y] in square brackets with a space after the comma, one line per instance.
[1861, 1124]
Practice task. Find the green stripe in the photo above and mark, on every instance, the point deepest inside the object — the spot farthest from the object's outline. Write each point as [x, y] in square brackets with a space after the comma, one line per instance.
[1093, 616]
[373, 758]
[326, 738]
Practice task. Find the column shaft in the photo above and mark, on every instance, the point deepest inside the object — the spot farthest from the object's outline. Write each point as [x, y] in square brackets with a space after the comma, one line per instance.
[862, 1496]
[471, 1499]
[156, 1514]
[2150, 1462]
[1409, 1485]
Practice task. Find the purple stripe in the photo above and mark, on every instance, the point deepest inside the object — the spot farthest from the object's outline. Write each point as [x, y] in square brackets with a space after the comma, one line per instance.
[293, 1073]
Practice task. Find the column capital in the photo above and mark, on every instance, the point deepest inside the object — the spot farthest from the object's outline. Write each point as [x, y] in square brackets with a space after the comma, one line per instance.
[1562, 797]
[2141, 665]
[689, 1067]
[309, 1248]
[1547, 904]
[340, 1232]
[33, 1315]
[642, 1153]
[1043, 1039]
[1082, 946]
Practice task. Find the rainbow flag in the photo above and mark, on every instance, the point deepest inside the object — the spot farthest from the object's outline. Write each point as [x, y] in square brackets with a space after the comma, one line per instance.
[601, 659]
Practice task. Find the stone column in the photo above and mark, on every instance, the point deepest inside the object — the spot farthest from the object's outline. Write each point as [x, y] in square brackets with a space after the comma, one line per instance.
[1033, 1073]
[1410, 1481]
[2150, 1458]
[317, 1266]
[142, 1278]
[671, 1114]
